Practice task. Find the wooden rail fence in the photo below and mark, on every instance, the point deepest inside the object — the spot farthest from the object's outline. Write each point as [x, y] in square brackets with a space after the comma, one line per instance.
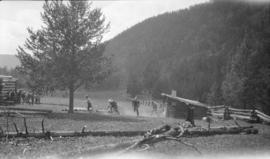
[245, 114]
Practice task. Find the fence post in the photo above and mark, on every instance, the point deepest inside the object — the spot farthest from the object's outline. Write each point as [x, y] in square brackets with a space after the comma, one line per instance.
[227, 114]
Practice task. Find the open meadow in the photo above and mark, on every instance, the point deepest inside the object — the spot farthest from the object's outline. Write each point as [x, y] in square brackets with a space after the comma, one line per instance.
[135, 79]
[72, 147]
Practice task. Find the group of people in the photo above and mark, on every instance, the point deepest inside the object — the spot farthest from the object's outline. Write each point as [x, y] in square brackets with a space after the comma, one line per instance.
[136, 104]
[23, 97]
[113, 106]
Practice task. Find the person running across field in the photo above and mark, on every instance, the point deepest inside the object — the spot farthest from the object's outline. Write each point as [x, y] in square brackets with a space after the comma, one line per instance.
[113, 107]
[155, 108]
[89, 104]
[136, 105]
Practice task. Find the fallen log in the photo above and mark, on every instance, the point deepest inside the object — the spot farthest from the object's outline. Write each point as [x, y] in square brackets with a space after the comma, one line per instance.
[187, 133]
[178, 132]
[221, 131]
[150, 138]
[73, 134]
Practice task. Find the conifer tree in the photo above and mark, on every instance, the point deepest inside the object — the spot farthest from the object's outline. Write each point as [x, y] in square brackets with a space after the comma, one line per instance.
[68, 47]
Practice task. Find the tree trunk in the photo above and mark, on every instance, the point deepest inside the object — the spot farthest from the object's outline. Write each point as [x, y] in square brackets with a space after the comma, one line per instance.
[71, 98]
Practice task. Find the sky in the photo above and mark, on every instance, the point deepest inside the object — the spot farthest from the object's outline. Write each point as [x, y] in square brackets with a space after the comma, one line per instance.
[17, 16]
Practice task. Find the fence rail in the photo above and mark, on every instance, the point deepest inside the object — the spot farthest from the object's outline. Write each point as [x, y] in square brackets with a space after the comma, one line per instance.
[245, 114]
[240, 110]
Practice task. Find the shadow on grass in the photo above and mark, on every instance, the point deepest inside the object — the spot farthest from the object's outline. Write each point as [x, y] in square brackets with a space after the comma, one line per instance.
[93, 117]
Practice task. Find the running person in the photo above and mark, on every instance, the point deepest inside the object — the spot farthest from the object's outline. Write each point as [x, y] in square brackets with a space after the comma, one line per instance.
[136, 105]
[89, 104]
[113, 107]
[155, 108]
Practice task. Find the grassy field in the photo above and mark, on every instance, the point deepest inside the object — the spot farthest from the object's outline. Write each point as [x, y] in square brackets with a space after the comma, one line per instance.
[73, 147]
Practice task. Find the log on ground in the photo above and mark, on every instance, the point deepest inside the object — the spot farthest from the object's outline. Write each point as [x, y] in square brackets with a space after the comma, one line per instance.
[187, 133]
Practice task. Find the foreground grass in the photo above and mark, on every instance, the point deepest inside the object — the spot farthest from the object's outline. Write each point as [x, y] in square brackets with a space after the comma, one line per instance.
[77, 146]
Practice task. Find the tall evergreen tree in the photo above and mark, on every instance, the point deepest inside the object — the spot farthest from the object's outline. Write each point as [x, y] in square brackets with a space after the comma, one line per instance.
[68, 46]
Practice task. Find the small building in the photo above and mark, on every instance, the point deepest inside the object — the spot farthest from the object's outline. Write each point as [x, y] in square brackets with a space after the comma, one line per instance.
[177, 107]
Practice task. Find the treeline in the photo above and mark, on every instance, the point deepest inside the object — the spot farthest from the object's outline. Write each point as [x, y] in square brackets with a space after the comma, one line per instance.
[218, 53]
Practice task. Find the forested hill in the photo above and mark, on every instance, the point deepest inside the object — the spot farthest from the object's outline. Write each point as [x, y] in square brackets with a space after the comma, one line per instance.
[216, 52]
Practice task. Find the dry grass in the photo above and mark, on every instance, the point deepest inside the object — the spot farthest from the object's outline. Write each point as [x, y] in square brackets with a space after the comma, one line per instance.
[34, 148]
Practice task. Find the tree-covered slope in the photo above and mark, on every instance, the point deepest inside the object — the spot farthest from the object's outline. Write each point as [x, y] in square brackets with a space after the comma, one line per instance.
[216, 52]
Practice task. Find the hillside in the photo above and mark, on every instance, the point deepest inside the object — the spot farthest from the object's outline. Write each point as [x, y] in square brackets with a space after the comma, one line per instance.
[215, 52]
[9, 61]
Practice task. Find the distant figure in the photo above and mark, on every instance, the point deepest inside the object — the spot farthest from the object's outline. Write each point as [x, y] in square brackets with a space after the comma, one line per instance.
[51, 91]
[155, 107]
[23, 97]
[136, 105]
[12, 95]
[89, 104]
[37, 99]
[227, 113]
[28, 98]
[208, 118]
[254, 117]
[18, 98]
[32, 98]
[190, 115]
[113, 107]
